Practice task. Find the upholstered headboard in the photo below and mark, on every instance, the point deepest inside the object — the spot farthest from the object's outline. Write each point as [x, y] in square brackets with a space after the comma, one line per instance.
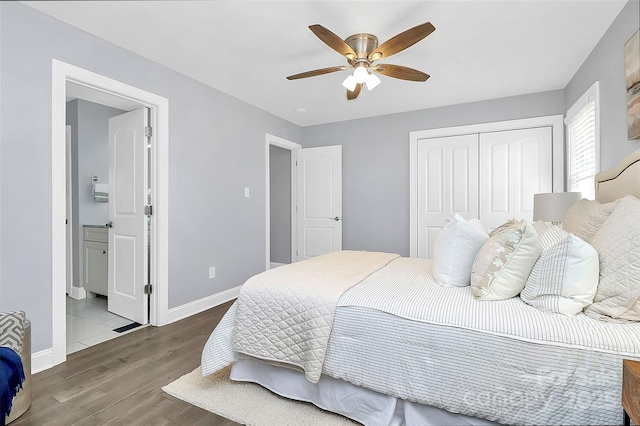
[619, 181]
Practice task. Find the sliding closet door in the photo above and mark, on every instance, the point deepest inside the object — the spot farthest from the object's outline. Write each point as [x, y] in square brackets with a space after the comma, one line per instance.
[447, 184]
[514, 165]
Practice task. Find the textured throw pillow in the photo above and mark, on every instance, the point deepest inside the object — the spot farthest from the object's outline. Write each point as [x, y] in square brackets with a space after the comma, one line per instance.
[12, 330]
[503, 264]
[454, 250]
[618, 245]
[565, 278]
[586, 217]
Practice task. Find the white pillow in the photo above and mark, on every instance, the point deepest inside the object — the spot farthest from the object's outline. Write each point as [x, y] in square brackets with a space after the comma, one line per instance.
[565, 278]
[618, 244]
[503, 264]
[585, 218]
[454, 250]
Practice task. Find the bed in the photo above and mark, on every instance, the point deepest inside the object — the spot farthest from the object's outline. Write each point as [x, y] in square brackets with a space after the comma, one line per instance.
[396, 347]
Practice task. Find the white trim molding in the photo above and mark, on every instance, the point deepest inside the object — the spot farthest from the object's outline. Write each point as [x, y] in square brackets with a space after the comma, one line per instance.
[200, 305]
[78, 293]
[291, 146]
[62, 73]
[41, 361]
[557, 134]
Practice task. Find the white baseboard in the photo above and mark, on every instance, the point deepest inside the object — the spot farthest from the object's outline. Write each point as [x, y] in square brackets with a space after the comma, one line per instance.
[197, 306]
[78, 293]
[41, 361]
[275, 264]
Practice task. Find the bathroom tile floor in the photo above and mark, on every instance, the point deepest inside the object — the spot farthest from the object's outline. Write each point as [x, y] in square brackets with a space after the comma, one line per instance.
[89, 323]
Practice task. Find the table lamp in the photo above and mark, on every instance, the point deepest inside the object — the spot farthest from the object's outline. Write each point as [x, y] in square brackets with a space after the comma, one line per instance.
[553, 206]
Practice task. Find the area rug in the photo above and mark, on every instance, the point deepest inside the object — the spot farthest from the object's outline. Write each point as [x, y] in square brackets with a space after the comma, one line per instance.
[248, 403]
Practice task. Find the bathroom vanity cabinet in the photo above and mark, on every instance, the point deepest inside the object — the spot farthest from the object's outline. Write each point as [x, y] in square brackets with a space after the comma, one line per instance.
[96, 252]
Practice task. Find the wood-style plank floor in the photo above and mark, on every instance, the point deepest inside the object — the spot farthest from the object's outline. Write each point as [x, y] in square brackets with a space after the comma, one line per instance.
[120, 381]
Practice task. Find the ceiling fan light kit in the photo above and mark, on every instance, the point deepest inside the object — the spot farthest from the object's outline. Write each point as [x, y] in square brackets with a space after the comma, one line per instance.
[361, 73]
[361, 50]
[372, 81]
[350, 83]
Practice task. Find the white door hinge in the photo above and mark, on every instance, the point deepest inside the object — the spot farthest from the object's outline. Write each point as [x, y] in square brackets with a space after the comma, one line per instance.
[148, 289]
[148, 210]
[148, 131]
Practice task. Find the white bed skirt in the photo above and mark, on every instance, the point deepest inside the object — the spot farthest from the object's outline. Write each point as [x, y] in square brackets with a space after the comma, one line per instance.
[362, 405]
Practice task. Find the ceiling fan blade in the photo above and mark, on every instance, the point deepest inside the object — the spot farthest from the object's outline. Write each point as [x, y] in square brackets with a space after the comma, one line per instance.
[402, 41]
[352, 95]
[316, 72]
[333, 41]
[403, 73]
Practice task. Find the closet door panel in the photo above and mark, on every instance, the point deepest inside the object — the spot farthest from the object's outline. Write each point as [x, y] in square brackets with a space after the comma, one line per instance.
[447, 184]
[497, 168]
[514, 165]
[434, 182]
[460, 179]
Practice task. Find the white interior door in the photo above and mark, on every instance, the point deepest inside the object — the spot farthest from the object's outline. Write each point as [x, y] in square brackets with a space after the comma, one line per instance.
[514, 165]
[319, 201]
[447, 184]
[127, 260]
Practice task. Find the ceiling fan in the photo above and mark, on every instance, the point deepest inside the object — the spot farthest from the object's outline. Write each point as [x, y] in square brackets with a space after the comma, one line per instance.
[362, 50]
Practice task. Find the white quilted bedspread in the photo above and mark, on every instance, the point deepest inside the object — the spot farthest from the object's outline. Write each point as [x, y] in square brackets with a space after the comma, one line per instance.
[286, 314]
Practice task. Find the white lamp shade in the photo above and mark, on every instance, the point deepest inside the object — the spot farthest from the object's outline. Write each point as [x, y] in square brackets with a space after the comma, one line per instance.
[361, 74]
[552, 207]
[372, 81]
[349, 83]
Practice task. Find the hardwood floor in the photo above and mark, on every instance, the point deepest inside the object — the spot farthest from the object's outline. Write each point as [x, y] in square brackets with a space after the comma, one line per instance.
[120, 381]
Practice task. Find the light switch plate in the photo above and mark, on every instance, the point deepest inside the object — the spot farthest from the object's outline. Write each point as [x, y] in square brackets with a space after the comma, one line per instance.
[246, 192]
[212, 272]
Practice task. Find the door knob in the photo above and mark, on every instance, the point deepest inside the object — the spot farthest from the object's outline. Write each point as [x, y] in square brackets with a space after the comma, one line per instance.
[109, 225]
[337, 218]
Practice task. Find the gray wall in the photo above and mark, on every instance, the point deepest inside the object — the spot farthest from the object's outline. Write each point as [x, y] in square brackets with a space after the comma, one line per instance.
[375, 162]
[280, 194]
[90, 155]
[606, 64]
[216, 149]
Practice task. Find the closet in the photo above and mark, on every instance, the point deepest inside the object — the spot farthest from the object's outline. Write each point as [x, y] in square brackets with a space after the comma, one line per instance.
[488, 171]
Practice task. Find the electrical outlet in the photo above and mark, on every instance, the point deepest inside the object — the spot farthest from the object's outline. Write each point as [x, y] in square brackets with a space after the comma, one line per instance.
[212, 272]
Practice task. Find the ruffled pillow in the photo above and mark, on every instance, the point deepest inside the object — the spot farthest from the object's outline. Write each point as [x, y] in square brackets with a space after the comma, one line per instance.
[585, 218]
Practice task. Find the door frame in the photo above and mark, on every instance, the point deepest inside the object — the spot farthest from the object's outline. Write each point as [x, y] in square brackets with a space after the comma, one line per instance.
[159, 107]
[69, 213]
[291, 146]
[557, 155]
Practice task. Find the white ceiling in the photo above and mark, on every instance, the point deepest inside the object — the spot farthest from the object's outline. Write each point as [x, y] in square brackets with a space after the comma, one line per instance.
[480, 50]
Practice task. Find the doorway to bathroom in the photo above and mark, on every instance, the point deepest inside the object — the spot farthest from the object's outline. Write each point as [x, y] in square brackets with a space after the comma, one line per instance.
[149, 251]
[94, 311]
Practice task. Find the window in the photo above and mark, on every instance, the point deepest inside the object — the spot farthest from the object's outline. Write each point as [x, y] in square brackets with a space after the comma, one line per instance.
[583, 143]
